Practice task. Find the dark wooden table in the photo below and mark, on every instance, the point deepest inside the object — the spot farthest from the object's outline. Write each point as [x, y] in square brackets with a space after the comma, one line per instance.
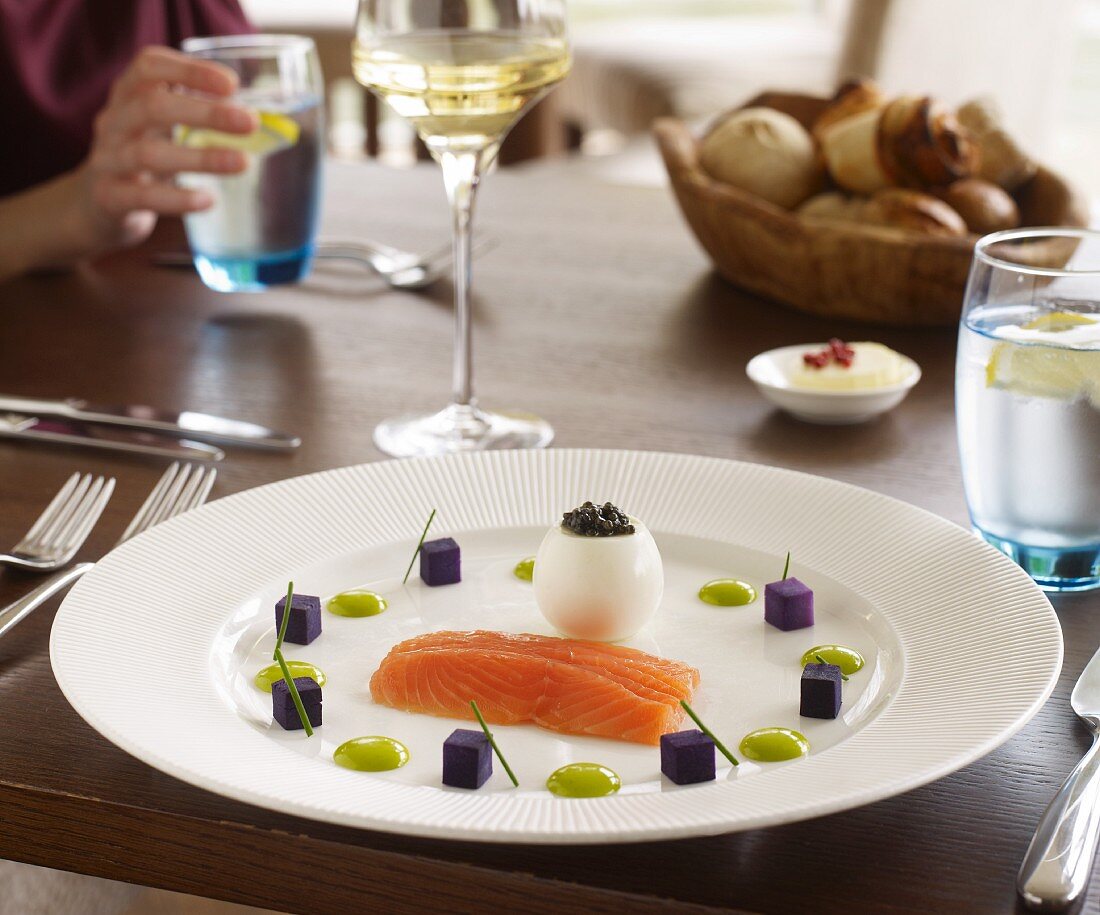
[596, 310]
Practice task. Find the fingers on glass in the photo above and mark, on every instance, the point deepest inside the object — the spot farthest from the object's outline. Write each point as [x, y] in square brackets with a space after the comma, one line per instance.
[157, 65]
[119, 196]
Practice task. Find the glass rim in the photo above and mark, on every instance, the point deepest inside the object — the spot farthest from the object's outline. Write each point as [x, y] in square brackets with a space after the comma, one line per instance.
[248, 44]
[1034, 233]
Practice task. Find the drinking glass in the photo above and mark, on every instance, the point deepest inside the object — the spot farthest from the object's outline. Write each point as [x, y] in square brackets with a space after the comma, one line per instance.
[260, 231]
[1027, 390]
[462, 72]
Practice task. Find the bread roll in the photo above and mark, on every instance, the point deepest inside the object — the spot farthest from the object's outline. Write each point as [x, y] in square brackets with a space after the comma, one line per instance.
[764, 152]
[850, 150]
[914, 211]
[1003, 161]
[852, 98]
[911, 142]
[922, 145]
[834, 205]
[983, 206]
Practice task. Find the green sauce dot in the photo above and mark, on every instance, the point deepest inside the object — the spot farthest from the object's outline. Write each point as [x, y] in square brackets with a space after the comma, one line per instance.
[371, 754]
[847, 659]
[774, 745]
[357, 603]
[583, 780]
[727, 592]
[525, 569]
[272, 673]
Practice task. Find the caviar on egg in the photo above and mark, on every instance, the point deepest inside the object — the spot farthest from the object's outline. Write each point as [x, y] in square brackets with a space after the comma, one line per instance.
[592, 583]
[590, 520]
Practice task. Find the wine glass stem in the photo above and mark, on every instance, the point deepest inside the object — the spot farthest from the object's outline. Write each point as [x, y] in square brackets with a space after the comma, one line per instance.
[461, 174]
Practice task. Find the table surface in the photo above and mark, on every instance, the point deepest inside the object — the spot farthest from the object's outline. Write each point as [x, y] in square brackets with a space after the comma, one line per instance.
[597, 310]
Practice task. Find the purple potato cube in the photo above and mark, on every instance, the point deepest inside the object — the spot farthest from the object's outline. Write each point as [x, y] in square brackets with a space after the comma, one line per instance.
[788, 604]
[687, 757]
[282, 705]
[821, 692]
[440, 562]
[467, 759]
[305, 618]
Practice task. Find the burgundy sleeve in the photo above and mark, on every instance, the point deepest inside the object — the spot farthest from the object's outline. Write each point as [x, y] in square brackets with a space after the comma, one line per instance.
[58, 59]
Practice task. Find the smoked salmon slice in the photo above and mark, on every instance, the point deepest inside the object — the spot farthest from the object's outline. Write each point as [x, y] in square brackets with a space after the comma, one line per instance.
[565, 685]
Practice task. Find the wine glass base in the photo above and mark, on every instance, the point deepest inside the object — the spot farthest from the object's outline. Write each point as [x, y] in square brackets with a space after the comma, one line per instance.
[458, 428]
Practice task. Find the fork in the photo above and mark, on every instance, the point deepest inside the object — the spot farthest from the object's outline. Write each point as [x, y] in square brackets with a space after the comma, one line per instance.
[180, 488]
[63, 526]
[400, 269]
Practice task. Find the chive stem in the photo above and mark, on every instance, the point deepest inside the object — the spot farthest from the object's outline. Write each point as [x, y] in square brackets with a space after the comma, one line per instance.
[821, 660]
[285, 620]
[702, 727]
[416, 553]
[787, 565]
[297, 700]
[493, 743]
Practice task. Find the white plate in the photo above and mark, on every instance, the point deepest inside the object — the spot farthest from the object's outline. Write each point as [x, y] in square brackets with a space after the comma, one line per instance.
[155, 648]
[770, 372]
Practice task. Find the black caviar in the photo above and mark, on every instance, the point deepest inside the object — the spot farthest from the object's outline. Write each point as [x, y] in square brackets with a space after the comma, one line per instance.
[597, 521]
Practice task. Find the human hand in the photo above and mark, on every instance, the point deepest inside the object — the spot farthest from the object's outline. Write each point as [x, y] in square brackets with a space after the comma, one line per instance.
[126, 180]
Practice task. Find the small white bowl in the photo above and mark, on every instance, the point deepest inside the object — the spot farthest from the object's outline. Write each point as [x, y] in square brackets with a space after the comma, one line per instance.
[768, 371]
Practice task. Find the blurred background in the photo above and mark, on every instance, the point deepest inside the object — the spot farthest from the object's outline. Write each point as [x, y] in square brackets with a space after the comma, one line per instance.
[640, 59]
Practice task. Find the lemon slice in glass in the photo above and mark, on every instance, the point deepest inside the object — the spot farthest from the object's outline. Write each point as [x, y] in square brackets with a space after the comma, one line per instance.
[1042, 367]
[276, 131]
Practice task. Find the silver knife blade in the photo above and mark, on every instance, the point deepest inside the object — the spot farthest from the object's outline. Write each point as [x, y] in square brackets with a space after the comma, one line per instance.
[186, 424]
[67, 432]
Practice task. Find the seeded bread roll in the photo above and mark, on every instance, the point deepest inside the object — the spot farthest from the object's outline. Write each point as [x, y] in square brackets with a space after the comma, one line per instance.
[914, 211]
[764, 152]
[983, 205]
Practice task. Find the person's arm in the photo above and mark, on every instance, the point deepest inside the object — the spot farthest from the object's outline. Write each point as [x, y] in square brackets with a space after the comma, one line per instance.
[114, 197]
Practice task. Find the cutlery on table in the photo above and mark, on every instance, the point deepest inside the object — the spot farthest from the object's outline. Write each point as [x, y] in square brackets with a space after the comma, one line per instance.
[69, 416]
[180, 488]
[66, 432]
[400, 269]
[63, 526]
[1056, 868]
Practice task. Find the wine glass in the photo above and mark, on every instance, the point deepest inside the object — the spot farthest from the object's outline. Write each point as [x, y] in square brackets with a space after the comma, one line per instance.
[463, 72]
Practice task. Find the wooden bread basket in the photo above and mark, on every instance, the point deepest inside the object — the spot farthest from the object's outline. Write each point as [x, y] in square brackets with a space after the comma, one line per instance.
[829, 267]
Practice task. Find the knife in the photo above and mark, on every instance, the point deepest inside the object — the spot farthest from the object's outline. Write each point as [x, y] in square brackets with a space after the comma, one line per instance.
[1058, 862]
[199, 426]
[68, 432]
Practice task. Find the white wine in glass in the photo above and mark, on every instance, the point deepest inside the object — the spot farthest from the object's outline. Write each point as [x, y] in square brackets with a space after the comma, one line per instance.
[463, 72]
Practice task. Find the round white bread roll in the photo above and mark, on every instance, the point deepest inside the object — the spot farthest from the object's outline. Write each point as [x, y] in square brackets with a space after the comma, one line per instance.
[764, 152]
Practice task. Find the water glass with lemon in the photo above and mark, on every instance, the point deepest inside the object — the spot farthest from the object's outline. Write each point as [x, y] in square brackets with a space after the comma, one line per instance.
[1028, 401]
[260, 231]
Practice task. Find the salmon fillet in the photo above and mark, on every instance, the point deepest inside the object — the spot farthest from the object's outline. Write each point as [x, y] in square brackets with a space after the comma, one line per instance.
[565, 685]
